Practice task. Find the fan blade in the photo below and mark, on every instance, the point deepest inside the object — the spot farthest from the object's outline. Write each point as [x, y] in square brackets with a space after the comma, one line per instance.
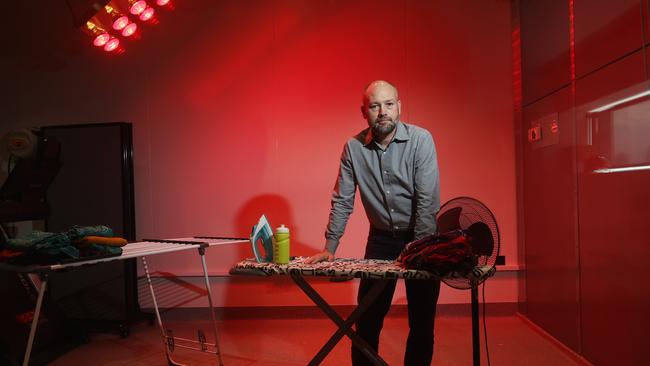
[449, 220]
[480, 238]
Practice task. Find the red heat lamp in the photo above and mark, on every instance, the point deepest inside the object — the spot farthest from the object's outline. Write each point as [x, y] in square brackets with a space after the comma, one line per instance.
[120, 21]
[147, 14]
[90, 16]
[112, 45]
[137, 6]
[101, 38]
[129, 30]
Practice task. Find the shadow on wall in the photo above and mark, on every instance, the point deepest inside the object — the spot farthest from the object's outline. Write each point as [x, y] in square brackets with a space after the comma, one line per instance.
[172, 292]
[278, 211]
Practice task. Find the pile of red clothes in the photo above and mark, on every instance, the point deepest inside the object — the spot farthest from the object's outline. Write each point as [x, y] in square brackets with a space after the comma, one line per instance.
[442, 254]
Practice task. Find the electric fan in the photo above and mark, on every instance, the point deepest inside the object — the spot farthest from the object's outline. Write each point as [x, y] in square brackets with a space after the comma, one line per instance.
[478, 224]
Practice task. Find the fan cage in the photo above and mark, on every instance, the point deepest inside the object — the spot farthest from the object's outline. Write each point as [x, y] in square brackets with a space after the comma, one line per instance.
[473, 211]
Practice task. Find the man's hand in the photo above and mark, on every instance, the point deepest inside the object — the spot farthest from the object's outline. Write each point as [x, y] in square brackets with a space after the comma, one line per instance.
[322, 256]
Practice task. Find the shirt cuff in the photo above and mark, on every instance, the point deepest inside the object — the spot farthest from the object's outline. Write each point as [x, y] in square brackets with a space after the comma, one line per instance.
[331, 245]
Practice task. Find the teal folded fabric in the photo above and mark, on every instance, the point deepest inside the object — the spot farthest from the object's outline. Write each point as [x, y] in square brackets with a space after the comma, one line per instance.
[79, 232]
[46, 247]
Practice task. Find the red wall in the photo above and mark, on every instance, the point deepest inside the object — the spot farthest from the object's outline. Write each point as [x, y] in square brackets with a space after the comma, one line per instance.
[242, 107]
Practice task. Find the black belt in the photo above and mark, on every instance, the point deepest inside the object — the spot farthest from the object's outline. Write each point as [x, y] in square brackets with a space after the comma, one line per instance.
[397, 233]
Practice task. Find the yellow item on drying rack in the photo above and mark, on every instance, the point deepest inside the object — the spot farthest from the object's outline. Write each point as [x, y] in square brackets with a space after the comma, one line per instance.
[102, 240]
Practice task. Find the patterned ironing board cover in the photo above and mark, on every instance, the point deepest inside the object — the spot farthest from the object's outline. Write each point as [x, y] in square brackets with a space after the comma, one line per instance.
[339, 268]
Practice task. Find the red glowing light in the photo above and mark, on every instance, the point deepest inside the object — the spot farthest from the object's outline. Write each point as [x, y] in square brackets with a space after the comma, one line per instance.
[111, 45]
[147, 14]
[138, 7]
[101, 39]
[162, 2]
[120, 22]
[129, 29]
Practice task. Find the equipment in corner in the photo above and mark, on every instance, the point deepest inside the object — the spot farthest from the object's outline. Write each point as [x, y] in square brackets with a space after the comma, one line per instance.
[95, 185]
[478, 225]
[32, 162]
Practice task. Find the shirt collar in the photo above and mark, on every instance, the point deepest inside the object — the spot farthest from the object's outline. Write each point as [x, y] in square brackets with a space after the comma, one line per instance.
[401, 134]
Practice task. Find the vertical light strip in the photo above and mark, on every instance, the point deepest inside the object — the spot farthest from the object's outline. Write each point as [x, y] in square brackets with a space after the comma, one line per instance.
[406, 85]
[643, 8]
[519, 146]
[576, 199]
[572, 41]
[516, 67]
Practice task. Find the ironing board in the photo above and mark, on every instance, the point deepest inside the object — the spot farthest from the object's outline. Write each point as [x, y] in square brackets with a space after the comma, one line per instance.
[141, 250]
[340, 268]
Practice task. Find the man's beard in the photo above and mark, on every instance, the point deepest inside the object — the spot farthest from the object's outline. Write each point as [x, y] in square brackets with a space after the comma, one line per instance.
[383, 129]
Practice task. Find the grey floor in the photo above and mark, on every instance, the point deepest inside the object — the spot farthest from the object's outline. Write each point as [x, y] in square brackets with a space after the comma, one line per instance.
[295, 341]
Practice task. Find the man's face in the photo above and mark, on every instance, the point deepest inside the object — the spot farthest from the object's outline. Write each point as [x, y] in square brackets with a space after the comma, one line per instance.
[381, 109]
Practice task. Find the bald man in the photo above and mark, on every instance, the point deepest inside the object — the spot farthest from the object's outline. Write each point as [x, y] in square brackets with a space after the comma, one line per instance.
[394, 165]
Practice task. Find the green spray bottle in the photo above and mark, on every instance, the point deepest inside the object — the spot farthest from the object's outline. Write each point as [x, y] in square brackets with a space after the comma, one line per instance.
[281, 245]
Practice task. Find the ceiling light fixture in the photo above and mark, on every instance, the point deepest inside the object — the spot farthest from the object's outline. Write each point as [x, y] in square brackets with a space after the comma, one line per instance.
[91, 15]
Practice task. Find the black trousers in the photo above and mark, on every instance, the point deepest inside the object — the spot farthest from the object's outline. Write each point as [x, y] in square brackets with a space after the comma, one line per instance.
[422, 297]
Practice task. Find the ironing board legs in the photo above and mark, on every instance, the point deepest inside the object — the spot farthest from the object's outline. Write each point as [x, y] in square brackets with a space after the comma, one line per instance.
[37, 313]
[345, 326]
[208, 288]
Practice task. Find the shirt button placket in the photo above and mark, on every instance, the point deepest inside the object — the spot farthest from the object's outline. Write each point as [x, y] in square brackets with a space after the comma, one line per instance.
[387, 184]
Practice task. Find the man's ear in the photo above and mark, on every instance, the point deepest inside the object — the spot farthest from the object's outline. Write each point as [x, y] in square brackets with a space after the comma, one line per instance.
[399, 106]
[364, 112]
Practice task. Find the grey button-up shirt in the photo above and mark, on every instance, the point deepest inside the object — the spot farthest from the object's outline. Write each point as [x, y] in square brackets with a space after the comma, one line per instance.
[399, 185]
